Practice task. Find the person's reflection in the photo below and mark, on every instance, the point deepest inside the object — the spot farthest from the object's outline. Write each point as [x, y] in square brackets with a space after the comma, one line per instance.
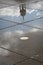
[22, 9]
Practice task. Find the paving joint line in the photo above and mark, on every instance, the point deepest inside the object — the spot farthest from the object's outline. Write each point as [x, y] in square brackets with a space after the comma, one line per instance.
[22, 55]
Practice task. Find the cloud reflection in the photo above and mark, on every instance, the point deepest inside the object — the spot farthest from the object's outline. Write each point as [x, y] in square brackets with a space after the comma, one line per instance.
[10, 11]
[3, 52]
[34, 30]
[19, 32]
[30, 11]
[9, 40]
[36, 5]
[14, 11]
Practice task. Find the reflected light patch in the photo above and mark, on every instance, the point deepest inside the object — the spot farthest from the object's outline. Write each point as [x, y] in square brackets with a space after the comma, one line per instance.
[38, 14]
[36, 55]
[10, 11]
[4, 52]
[19, 31]
[24, 38]
[36, 5]
[7, 34]
[30, 11]
[6, 46]
[34, 30]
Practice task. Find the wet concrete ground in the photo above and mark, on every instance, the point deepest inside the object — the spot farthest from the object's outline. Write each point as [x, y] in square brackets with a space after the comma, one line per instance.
[13, 49]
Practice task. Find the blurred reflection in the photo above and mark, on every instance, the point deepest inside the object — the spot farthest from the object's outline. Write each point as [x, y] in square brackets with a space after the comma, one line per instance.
[34, 30]
[4, 52]
[38, 5]
[23, 10]
[24, 38]
[14, 12]
[10, 39]
[19, 32]
[10, 11]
